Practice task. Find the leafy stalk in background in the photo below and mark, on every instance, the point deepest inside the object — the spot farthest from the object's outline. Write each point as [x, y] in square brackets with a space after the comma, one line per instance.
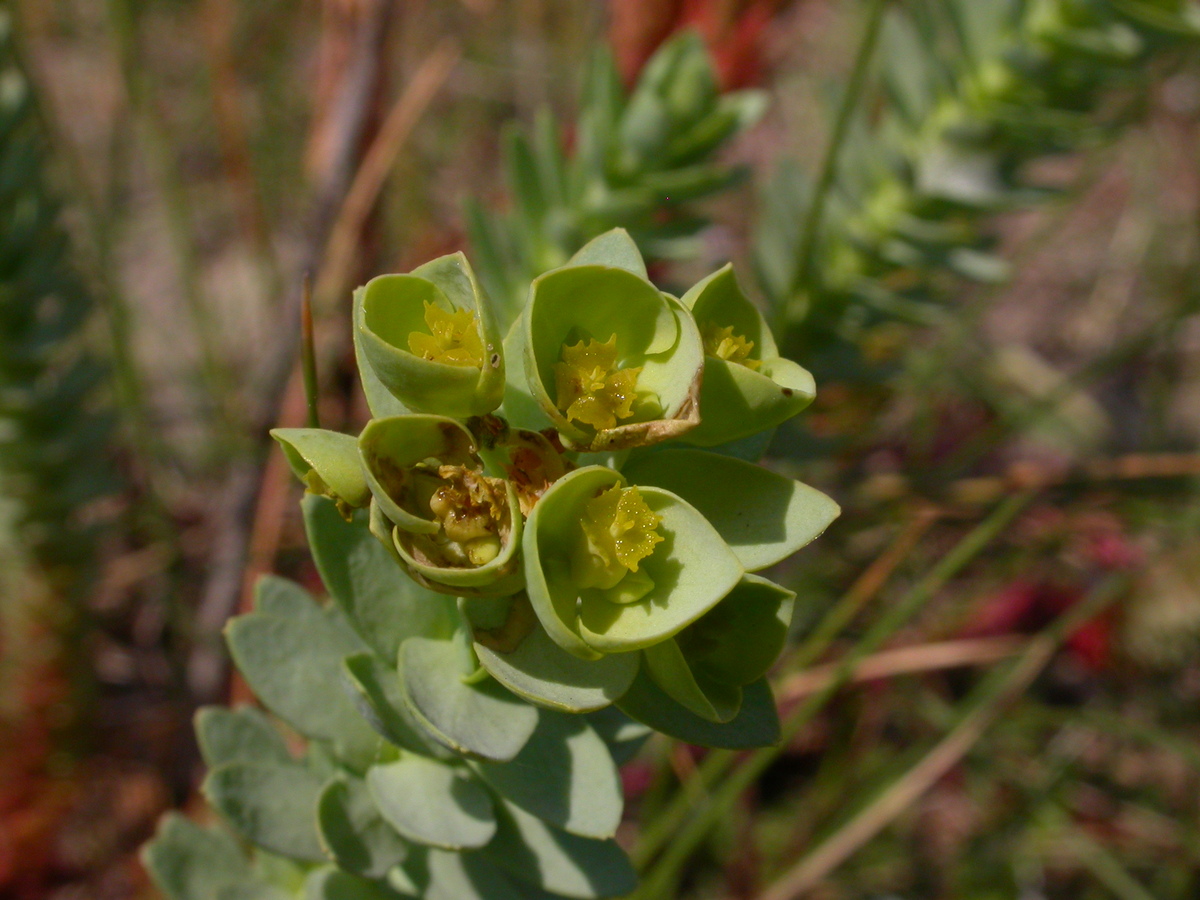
[55, 421]
[638, 162]
[906, 201]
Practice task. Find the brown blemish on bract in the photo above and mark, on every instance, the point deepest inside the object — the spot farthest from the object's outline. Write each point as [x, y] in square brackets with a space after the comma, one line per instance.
[644, 434]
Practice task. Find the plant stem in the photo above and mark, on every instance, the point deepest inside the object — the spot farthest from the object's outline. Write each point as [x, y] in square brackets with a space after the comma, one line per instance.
[810, 227]
[308, 354]
[661, 878]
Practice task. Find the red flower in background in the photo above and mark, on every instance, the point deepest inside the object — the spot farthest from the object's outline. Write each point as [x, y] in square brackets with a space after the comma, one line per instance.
[732, 29]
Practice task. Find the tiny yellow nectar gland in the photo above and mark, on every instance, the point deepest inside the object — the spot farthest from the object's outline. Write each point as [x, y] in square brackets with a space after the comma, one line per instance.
[619, 531]
[591, 389]
[724, 344]
[453, 338]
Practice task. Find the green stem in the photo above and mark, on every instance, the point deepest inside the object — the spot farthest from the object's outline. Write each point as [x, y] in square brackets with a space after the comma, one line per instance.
[811, 225]
[661, 879]
[308, 355]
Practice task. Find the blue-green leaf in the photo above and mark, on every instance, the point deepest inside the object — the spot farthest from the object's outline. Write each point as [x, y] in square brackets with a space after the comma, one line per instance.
[763, 517]
[275, 806]
[433, 803]
[563, 775]
[482, 720]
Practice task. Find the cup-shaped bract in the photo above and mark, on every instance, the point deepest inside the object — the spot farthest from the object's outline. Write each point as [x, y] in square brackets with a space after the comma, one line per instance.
[611, 567]
[454, 528]
[610, 359]
[431, 339]
[327, 463]
[748, 387]
[706, 665]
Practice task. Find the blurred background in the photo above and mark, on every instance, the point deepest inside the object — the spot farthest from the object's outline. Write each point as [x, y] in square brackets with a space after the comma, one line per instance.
[977, 223]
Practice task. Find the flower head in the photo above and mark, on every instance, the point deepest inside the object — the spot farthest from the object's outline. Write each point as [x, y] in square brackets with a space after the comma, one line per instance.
[591, 387]
[453, 337]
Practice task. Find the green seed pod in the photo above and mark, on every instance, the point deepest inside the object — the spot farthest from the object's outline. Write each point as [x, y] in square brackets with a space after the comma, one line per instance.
[611, 360]
[454, 528]
[748, 387]
[611, 567]
[431, 339]
[327, 463]
[707, 664]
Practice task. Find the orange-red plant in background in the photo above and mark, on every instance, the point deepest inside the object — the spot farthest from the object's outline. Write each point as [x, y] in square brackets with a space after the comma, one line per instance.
[732, 29]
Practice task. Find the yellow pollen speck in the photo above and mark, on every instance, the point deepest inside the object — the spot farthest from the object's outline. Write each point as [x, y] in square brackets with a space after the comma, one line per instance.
[724, 344]
[591, 389]
[453, 338]
[620, 527]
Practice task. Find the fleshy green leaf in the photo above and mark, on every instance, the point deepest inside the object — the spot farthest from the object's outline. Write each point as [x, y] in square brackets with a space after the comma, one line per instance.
[763, 517]
[331, 455]
[354, 833]
[709, 699]
[274, 806]
[380, 600]
[563, 775]
[738, 642]
[330, 884]
[542, 672]
[555, 861]
[756, 724]
[472, 876]
[623, 735]
[433, 803]
[380, 698]
[188, 862]
[238, 735]
[614, 248]
[481, 720]
[293, 664]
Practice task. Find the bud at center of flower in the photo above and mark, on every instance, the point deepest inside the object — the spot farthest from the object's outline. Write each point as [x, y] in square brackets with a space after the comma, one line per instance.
[470, 508]
[453, 338]
[619, 531]
[591, 389]
[724, 344]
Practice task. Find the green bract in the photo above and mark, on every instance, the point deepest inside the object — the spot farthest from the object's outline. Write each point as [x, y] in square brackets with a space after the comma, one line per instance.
[611, 360]
[327, 463]
[431, 339]
[453, 528]
[590, 611]
[748, 387]
[707, 664]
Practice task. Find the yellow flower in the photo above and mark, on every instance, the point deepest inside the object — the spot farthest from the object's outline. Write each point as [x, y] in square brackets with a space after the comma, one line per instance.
[619, 531]
[591, 389]
[453, 338]
[724, 344]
